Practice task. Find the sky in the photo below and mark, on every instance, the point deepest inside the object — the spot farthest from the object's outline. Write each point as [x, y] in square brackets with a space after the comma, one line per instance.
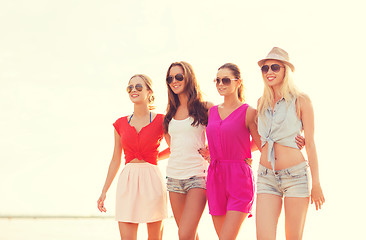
[64, 67]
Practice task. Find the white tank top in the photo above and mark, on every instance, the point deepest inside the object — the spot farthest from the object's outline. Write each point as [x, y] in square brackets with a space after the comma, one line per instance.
[185, 140]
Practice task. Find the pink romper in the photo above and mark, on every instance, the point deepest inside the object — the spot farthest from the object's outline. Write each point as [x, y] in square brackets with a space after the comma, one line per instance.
[230, 181]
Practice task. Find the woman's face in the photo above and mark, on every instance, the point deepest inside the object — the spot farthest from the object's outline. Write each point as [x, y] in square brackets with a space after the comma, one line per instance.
[226, 87]
[275, 74]
[175, 85]
[137, 90]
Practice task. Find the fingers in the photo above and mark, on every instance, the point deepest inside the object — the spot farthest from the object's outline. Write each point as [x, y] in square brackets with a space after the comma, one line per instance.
[100, 205]
[300, 141]
[249, 161]
[204, 153]
[318, 203]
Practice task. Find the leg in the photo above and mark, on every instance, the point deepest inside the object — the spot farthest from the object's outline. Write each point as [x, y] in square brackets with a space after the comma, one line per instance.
[268, 211]
[232, 224]
[128, 231]
[295, 215]
[218, 222]
[177, 201]
[155, 230]
[193, 209]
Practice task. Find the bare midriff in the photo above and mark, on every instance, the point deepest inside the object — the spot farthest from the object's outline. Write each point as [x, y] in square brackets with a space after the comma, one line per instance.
[136, 160]
[285, 157]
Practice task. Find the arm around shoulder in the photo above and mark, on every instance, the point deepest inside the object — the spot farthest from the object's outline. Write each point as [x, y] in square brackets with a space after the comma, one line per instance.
[251, 124]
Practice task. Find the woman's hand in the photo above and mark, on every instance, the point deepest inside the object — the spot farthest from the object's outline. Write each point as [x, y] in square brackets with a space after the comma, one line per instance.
[300, 141]
[205, 153]
[249, 161]
[317, 196]
[100, 203]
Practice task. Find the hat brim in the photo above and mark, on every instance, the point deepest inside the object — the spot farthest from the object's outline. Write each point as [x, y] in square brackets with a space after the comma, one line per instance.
[261, 62]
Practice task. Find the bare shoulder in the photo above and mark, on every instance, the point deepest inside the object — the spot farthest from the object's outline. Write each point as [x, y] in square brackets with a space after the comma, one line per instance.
[304, 100]
[209, 105]
[251, 113]
[251, 110]
[258, 101]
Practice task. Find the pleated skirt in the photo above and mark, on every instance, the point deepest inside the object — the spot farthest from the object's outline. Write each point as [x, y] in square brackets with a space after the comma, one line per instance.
[141, 194]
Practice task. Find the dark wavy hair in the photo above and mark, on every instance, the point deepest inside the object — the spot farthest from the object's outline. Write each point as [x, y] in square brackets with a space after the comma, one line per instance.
[197, 108]
[236, 72]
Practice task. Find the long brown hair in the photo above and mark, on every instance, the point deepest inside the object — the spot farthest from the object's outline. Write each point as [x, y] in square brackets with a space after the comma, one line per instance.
[236, 72]
[197, 108]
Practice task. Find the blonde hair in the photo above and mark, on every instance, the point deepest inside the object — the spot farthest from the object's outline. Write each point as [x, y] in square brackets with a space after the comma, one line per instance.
[288, 91]
[148, 82]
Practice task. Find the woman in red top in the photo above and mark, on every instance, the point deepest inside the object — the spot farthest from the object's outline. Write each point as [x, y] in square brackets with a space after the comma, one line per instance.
[141, 192]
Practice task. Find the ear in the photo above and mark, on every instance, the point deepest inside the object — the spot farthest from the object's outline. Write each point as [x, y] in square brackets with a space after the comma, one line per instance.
[240, 81]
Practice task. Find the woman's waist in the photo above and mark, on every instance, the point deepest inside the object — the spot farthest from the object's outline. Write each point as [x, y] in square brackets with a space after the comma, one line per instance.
[285, 157]
[152, 161]
[228, 160]
[186, 161]
[186, 171]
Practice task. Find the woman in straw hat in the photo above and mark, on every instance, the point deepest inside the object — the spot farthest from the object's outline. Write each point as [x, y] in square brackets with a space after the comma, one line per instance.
[141, 193]
[231, 126]
[283, 112]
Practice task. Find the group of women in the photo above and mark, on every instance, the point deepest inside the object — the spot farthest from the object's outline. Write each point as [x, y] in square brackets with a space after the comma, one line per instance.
[221, 173]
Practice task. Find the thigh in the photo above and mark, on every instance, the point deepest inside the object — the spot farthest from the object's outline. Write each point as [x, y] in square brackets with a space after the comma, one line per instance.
[239, 187]
[296, 181]
[128, 230]
[268, 211]
[232, 224]
[295, 215]
[193, 209]
[155, 230]
[177, 202]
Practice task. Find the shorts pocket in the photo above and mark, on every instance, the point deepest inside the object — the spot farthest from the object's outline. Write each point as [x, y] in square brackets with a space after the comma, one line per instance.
[296, 174]
[262, 172]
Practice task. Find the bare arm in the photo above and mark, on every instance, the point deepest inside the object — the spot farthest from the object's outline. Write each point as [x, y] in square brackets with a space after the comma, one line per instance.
[307, 117]
[251, 123]
[164, 154]
[112, 170]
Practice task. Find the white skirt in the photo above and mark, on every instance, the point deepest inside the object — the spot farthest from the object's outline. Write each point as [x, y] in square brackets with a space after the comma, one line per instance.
[141, 194]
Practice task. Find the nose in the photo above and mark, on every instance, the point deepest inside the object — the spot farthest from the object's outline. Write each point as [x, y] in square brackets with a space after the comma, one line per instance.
[269, 71]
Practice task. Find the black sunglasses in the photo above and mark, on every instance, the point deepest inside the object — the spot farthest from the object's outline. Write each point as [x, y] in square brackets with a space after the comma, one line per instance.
[138, 87]
[225, 80]
[178, 77]
[275, 68]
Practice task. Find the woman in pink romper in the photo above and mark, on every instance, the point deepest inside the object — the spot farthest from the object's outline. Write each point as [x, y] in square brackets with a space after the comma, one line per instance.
[230, 182]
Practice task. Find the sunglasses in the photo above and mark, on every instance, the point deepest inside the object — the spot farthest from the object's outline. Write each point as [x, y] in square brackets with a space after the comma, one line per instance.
[225, 80]
[178, 77]
[138, 87]
[274, 67]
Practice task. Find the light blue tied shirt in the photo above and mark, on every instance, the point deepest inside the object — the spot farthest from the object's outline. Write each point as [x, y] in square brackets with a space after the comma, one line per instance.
[281, 125]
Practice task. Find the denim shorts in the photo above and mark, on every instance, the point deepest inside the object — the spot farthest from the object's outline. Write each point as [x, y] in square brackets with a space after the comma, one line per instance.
[184, 185]
[290, 182]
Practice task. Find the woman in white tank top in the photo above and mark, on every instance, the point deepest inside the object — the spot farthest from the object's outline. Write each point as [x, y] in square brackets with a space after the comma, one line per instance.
[185, 126]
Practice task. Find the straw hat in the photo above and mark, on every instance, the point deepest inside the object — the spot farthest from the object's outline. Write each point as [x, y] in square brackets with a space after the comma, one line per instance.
[278, 54]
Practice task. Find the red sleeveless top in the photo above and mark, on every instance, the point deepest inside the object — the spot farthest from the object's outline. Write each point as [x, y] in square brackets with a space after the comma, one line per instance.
[143, 145]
